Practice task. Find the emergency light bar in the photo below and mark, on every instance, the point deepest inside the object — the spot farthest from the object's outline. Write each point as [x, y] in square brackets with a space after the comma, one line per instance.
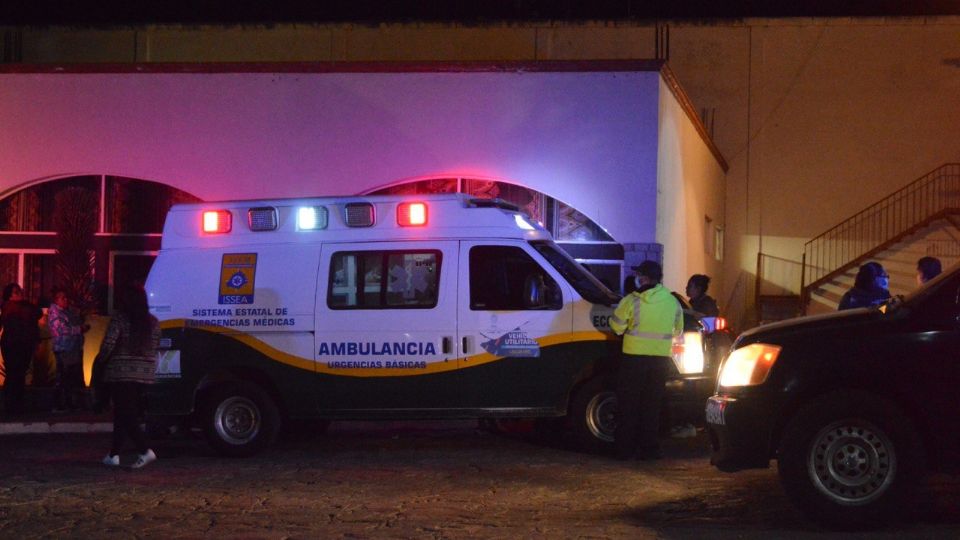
[412, 214]
[359, 215]
[262, 219]
[217, 221]
[311, 218]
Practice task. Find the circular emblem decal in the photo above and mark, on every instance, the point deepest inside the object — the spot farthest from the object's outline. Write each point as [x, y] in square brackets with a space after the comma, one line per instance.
[237, 280]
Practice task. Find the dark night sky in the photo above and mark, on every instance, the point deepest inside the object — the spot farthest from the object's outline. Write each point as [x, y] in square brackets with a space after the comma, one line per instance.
[116, 12]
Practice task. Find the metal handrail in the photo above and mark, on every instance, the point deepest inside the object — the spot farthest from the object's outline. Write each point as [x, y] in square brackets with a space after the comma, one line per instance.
[886, 220]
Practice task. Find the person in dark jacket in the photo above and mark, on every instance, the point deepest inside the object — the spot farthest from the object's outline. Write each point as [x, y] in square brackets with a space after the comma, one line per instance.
[927, 269]
[700, 301]
[130, 350]
[20, 338]
[868, 288]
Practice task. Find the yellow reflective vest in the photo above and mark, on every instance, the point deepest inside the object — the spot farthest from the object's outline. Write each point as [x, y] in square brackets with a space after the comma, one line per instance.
[648, 321]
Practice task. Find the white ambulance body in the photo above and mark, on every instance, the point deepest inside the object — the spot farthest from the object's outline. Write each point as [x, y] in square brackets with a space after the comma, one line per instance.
[436, 306]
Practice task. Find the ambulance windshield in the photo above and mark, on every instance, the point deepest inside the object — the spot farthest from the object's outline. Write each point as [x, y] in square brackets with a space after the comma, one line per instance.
[588, 286]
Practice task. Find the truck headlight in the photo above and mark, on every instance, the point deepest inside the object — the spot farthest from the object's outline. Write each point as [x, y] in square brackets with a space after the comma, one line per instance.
[748, 365]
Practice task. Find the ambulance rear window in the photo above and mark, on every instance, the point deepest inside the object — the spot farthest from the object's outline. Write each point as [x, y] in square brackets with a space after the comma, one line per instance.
[384, 279]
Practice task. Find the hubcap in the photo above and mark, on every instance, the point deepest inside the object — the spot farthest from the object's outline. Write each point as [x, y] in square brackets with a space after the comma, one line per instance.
[852, 462]
[237, 420]
[602, 415]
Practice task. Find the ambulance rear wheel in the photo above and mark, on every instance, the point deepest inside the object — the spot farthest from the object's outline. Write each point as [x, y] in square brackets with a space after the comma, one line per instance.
[594, 415]
[240, 419]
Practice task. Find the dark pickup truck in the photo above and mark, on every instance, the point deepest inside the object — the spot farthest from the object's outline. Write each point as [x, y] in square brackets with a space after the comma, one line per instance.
[855, 406]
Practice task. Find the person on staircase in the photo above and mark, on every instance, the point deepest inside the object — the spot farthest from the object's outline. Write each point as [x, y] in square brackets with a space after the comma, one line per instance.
[927, 269]
[869, 288]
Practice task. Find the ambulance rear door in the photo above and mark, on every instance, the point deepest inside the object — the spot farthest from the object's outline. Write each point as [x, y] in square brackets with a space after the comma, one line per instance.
[515, 321]
[386, 332]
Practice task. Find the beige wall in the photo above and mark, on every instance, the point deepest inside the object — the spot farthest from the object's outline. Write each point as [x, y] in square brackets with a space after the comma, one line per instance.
[817, 118]
[690, 188]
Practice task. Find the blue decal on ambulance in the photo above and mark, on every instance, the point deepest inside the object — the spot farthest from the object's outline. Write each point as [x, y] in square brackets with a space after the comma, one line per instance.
[515, 344]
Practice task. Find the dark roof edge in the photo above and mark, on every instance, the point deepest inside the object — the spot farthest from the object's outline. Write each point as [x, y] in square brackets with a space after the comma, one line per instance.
[678, 92]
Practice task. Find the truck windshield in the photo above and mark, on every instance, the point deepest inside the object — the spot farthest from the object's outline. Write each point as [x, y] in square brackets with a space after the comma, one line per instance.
[588, 286]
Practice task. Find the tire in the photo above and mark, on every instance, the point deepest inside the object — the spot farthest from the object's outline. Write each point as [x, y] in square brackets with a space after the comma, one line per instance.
[850, 460]
[593, 414]
[240, 419]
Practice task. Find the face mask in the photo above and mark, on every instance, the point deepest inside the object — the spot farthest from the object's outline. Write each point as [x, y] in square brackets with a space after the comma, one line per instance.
[636, 281]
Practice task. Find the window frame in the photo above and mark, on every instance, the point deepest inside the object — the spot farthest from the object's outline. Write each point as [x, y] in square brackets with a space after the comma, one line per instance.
[556, 306]
[384, 259]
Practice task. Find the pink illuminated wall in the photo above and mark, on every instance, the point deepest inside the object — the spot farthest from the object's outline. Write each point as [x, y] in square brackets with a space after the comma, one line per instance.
[586, 138]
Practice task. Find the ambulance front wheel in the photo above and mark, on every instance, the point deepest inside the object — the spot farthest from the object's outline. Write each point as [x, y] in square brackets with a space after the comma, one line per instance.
[240, 419]
[594, 415]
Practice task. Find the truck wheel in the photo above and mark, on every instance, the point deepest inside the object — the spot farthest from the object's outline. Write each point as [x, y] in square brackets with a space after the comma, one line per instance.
[850, 460]
[240, 419]
[594, 415]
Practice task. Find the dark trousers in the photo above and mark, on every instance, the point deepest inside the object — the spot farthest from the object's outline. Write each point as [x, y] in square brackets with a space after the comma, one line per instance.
[127, 409]
[640, 388]
[69, 382]
[16, 359]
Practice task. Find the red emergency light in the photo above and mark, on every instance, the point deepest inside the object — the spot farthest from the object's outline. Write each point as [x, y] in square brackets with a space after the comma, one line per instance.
[217, 221]
[412, 214]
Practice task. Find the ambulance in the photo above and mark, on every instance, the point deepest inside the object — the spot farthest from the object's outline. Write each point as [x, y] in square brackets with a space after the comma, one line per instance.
[380, 307]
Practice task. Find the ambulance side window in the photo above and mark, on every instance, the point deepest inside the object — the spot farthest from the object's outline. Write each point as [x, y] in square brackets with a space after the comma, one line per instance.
[384, 280]
[500, 278]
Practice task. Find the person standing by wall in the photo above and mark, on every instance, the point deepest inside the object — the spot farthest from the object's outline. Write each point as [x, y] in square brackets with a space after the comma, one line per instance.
[927, 269]
[21, 335]
[67, 336]
[129, 349]
[649, 319]
[700, 301]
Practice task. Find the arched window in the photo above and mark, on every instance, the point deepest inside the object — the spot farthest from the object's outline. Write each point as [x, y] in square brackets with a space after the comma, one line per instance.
[129, 215]
[579, 235]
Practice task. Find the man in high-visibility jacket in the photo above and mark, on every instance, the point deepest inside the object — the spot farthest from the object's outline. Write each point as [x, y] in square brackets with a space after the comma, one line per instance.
[648, 318]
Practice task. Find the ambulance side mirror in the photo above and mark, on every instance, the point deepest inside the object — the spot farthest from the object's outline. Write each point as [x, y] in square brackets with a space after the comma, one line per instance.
[533, 291]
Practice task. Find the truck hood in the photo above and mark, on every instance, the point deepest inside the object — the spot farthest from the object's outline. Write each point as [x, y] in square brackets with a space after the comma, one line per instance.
[812, 323]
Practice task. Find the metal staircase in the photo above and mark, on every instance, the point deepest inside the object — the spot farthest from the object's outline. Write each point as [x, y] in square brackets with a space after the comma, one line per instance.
[884, 228]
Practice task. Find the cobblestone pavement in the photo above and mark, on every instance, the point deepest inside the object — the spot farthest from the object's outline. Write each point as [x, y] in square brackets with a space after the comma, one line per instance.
[438, 480]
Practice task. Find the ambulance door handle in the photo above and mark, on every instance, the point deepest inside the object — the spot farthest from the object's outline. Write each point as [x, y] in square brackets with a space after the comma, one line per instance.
[465, 345]
[445, 344]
